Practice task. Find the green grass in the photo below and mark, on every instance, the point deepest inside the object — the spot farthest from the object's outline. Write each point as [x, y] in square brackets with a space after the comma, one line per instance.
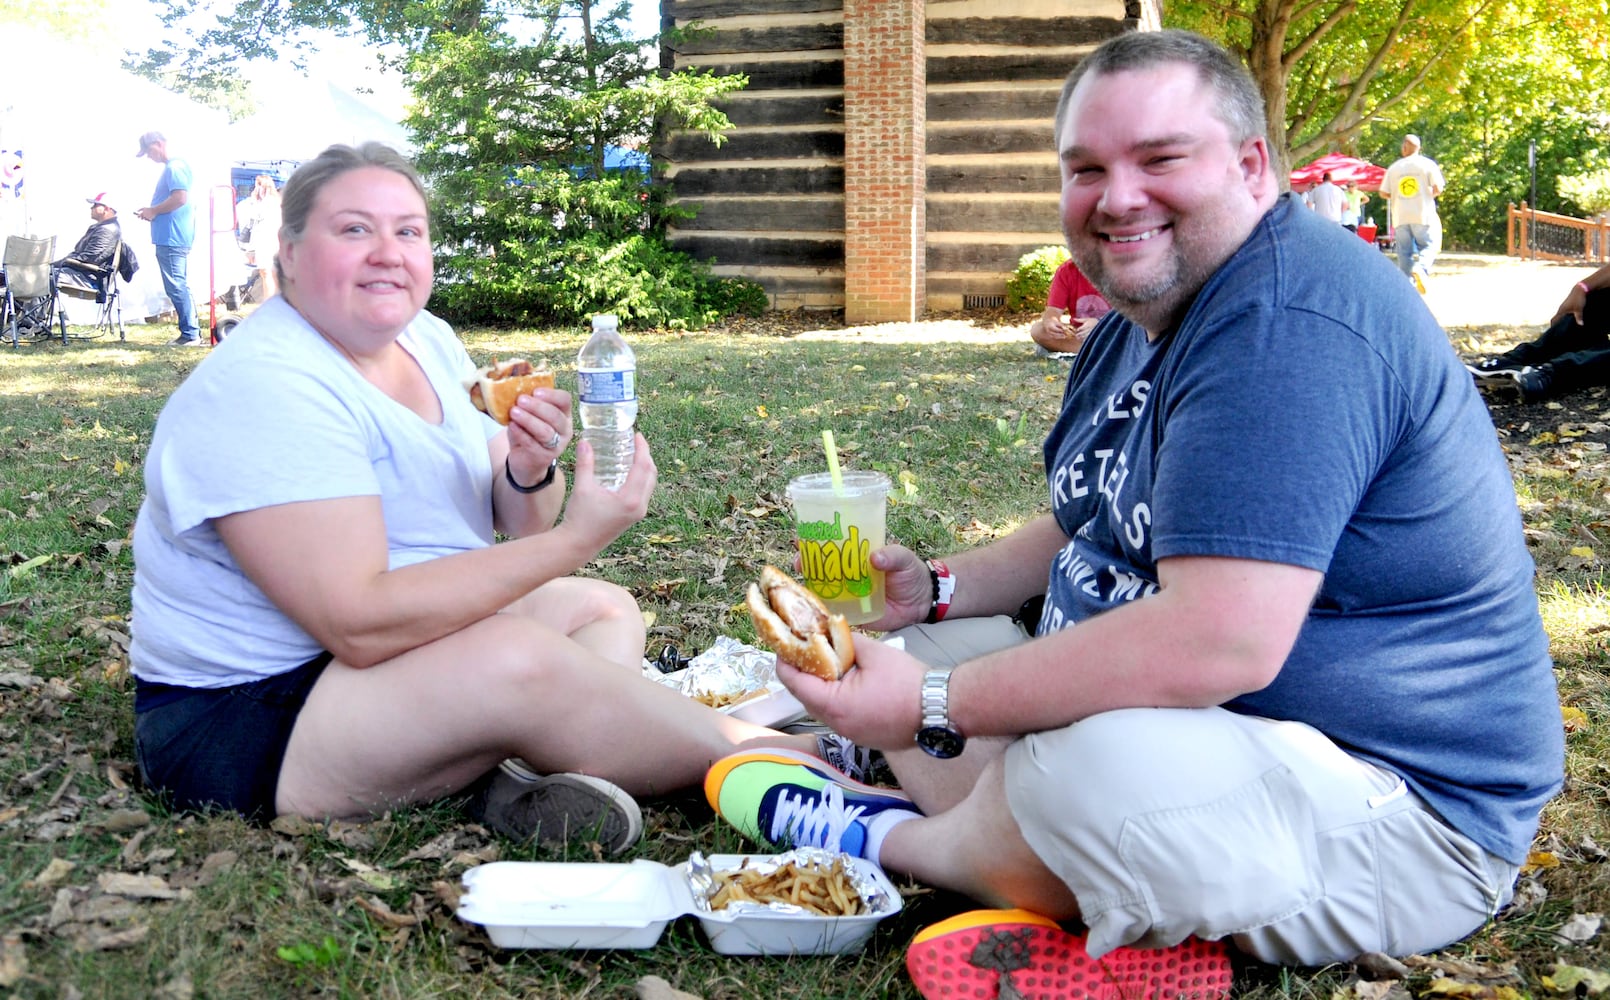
[365, 910]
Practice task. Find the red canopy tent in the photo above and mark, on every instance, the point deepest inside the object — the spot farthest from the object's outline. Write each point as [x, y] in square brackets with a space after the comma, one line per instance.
[1342, 169]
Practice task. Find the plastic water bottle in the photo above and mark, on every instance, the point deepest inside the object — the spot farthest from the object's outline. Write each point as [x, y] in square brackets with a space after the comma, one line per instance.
[606, 383]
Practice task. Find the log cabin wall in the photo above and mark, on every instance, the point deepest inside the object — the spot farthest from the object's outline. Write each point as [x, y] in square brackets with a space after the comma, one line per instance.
[771, 200]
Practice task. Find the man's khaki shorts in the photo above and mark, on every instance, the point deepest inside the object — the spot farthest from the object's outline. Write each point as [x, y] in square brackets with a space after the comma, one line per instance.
[1167, 823]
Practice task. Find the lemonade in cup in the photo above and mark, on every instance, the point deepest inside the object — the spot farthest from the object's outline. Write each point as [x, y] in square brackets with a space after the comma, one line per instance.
[837, 528]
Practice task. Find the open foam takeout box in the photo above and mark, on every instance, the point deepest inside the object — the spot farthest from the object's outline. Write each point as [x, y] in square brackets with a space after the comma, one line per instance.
[528, 904]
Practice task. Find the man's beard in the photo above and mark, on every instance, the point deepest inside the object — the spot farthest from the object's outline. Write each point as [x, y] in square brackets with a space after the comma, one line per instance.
[1158, 300]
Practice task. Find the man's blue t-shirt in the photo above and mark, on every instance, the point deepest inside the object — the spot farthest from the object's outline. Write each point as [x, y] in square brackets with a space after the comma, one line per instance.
[178, 227]
[1290, 419]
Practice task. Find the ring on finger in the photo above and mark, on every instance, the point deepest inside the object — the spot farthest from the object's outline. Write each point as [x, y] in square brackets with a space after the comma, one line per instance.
[554, 444]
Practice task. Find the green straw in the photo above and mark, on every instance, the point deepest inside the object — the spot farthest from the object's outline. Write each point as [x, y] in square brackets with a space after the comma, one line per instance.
[833, 463]
[838, 489]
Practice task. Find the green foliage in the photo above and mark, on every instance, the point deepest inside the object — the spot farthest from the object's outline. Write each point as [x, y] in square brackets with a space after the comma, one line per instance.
[638, 278]
[518, 130]
[315, 955]
[516, 103]
[1590, 192]
[1030, 282]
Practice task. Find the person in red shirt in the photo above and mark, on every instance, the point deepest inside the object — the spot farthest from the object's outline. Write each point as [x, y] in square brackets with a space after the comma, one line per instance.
[1071, 309]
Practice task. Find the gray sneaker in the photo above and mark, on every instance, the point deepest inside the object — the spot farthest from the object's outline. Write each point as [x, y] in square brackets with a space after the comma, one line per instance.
[557, 809]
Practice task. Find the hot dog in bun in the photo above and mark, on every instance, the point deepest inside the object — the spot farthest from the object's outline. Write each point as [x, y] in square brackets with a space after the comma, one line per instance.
[494, 388]
[798, 627]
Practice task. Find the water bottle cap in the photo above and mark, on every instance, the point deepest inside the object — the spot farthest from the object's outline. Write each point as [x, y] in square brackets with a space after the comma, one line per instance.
[603, 320]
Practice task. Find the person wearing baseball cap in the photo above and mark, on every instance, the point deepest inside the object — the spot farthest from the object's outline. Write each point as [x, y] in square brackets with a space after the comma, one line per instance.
[91, 258]
[173, 230]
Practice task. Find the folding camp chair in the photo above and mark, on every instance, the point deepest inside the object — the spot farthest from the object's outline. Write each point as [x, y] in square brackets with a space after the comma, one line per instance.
[30, 305]
[81, 280]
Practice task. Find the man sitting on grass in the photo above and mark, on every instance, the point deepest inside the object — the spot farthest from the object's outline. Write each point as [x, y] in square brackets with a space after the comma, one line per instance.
[1282, 572]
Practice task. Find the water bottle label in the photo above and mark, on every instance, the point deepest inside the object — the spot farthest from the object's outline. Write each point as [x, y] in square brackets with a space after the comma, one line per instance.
[606, 385]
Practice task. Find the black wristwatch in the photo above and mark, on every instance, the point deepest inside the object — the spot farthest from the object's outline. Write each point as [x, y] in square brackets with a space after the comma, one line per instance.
[937, 736]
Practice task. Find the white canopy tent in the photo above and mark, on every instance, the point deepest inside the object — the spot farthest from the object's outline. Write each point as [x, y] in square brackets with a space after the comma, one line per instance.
[303, 118]
[73, 122]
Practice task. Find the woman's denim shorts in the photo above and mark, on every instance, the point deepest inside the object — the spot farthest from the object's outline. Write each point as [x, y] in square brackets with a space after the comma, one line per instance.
[220, 748]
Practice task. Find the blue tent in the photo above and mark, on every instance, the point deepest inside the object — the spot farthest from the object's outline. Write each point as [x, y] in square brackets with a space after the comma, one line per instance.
[621, 158]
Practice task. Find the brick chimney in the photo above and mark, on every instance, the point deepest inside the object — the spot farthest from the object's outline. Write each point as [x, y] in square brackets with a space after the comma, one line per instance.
[885, 168]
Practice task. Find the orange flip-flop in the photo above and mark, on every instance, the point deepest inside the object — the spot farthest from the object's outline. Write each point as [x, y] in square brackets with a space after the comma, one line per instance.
[1008, 954]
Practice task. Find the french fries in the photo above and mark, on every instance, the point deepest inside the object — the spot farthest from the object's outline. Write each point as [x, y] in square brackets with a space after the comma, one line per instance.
[825, 890]
[724, 700]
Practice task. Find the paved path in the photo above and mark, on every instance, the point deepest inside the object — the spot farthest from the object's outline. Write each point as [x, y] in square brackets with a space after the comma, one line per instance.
[1480, 290]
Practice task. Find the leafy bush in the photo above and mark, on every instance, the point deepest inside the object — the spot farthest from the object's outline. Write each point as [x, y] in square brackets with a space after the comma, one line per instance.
[639, 278]
[1590, 191]
[1030, 283]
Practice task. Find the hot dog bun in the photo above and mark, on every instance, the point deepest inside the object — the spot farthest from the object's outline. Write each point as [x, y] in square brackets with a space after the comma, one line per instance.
[494, 388]
[798, 627]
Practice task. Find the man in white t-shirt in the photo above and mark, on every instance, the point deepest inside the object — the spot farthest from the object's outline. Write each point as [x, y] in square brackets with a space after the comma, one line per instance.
[1328, 200]
[1411, 186]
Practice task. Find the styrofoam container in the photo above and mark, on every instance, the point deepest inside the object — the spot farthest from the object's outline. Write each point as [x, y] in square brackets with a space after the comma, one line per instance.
[533, 904]
[774, 707]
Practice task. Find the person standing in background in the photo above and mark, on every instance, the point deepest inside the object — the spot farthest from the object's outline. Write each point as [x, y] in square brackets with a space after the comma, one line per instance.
[1412, 185]
[1353, 206]
[1327, 199]
[173, 230]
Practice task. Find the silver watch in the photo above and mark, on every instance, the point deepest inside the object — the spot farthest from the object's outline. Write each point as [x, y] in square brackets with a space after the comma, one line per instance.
[937, 735]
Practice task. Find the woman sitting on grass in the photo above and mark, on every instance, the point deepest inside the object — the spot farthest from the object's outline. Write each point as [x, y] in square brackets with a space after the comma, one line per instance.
[322, 623]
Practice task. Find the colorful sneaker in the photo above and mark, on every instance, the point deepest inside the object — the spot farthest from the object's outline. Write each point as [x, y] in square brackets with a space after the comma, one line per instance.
[986, 953]
[557, 809]
[789, 799]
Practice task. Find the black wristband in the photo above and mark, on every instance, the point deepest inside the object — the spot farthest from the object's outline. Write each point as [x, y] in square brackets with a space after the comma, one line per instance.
[547, 481]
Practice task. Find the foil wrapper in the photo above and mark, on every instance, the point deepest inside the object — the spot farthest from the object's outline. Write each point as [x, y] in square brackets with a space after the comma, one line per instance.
[702, 879]
[728, 667]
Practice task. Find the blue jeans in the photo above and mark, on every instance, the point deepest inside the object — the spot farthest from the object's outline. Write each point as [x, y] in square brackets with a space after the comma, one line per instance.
[1417, 244]
[174, 263]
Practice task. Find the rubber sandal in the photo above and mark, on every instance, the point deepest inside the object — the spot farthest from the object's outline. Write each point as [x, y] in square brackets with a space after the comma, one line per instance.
[1009, 954]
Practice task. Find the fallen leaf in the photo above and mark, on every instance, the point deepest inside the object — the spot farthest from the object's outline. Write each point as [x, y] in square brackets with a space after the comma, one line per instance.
[1577, 980]
[1539, 860]
[1575, 719]
[54, 873]
[135, 886]
[383, 913]
[1581, 928]
[13, 960]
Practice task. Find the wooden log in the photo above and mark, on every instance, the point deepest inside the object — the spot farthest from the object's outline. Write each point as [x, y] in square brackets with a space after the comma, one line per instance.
[756, 146]
[1014, 66]
[791, 74]
[764, 251]
[1024, 215]
[1005, 178]
[693, 182]
[783, 38]
[961, 140]
[972, 257]
[689, 10]
[784, 109]
[992, 105]
[1026, 31]
[777, 213]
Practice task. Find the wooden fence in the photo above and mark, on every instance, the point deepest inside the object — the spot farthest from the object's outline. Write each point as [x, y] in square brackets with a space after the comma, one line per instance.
[1545, 236]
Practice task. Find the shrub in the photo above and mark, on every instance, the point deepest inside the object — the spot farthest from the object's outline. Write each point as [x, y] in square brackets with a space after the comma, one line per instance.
[1030, 283]
[639, 278]
[1590, 191]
